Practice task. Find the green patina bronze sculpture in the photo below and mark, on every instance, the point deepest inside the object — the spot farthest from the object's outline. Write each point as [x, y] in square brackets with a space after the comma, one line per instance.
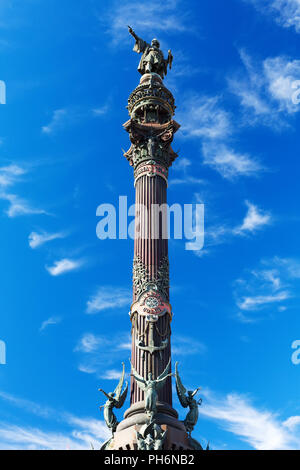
[187, 401]
[152, 60]
[116, 399]
[151, 437]
[151, 387]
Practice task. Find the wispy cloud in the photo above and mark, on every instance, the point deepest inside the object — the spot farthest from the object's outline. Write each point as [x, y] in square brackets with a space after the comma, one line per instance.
[182, 165]
[266, 288]
[63, 266]
[67, 117]
[260, 428]
[255, 220]
[19, 206]
[266, 90]
[99, 353]
[9, 176]
[285, 12]
[228, 163]
[59, 119]
[75, 433]
[107, 298]
[36, 240]
[50, 321]
[90, 343]
[145, 18]
[204, 117]
[112, 374]
[292, 423]
[27, 405]
[187, 346]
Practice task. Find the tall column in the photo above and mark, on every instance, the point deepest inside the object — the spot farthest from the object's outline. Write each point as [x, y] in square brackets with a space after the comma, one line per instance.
[151, 423]
[151, 129]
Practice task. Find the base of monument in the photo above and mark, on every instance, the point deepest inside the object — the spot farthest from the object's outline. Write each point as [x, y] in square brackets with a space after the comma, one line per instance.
[126, 435]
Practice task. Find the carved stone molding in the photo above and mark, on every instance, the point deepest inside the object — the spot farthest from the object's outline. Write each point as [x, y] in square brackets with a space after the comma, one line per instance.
[142, 281]
[151, 141]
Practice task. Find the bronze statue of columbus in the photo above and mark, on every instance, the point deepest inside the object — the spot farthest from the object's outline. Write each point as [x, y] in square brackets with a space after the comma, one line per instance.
[152, 60]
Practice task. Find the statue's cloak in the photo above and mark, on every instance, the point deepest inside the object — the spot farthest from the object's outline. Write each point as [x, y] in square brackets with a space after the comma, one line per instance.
[150, 54]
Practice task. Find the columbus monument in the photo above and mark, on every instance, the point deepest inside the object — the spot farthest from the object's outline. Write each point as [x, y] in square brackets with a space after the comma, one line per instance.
[151, 423]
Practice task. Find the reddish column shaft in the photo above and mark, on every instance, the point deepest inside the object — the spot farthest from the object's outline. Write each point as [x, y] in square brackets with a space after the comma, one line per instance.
[152, 252]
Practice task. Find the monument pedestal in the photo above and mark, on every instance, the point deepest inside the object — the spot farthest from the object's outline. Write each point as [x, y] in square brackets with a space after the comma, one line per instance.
[136, 420]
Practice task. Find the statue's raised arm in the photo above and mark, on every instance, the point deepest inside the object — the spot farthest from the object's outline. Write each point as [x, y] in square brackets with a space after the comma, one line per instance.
[152, 60]
[133, 33]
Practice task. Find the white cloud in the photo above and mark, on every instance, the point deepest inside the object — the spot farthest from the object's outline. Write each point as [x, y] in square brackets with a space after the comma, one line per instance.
[266, 91]
[18, 437]
[187, 346]
[66, 117]
[90, 343]
[75, 433]
[255, 219]
[19, 206]
[186, 180]
[203, 117]
[63, 266]
[256, 302]
[266, 287]
[37, 239]
[220, 233]
[99, 354]
[29, 406]
[9, 176]
[182, 165]
[229, 163]
[111, 374]
[280, 74]
[108, 298]
[142, 15]
[261, 429]
[290, 266]
[59, 118]
[50, 321]
[101, 111]
[292, 423]
[285, 12]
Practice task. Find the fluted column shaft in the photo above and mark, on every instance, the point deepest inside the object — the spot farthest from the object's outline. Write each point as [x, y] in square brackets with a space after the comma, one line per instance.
[152, 252]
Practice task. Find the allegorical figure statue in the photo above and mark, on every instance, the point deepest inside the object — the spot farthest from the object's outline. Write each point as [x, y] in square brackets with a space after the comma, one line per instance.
[187, 401]
[152, 60]
[116, 399]
[151, 386]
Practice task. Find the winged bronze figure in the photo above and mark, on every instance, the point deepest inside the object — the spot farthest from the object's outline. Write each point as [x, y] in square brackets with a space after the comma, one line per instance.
[116, 399]
[187, 401]
[151, 386]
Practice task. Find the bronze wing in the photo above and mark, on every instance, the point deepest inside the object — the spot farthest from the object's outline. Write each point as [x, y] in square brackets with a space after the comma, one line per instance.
[139, 379]
[119, 387]
[181, 390]
[162, 376]
[122, 398]
[170, 59]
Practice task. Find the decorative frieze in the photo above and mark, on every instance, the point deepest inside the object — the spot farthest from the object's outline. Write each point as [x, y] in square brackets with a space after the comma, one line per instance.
[143, 281]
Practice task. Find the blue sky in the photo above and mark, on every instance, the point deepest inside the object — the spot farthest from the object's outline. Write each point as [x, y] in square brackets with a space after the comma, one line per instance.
[69, 68]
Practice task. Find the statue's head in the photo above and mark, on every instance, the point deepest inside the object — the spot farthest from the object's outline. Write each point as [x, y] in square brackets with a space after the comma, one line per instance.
[111, 394]
[150, 376]
[155, 43]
